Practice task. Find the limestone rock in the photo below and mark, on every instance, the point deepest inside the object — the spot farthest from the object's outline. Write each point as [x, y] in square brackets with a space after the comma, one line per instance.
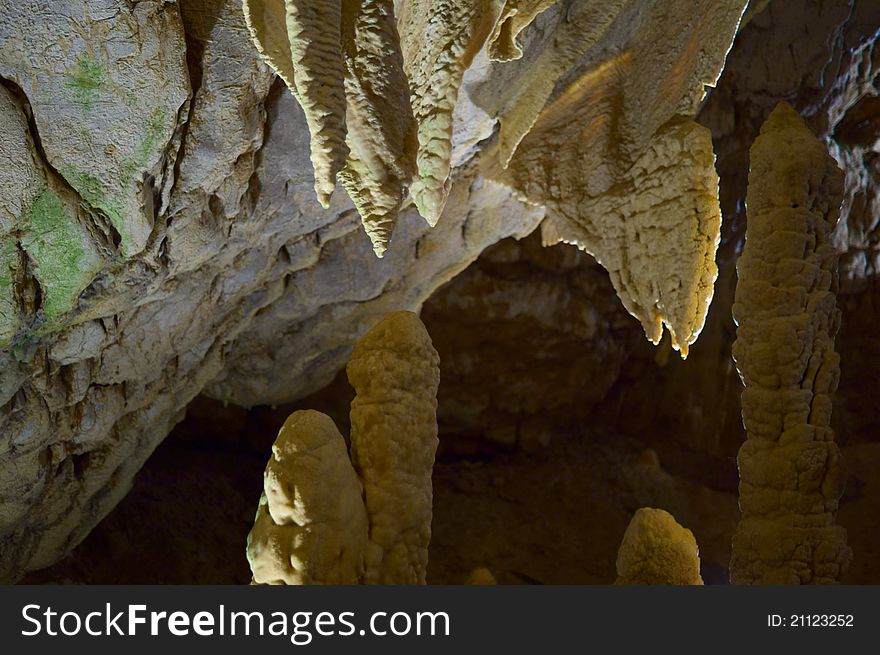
[43, 227]
[91, 84]
[188, 168]
[311, 525]
[657, 550]
[395, 373]
[514, 18]
[790, 468]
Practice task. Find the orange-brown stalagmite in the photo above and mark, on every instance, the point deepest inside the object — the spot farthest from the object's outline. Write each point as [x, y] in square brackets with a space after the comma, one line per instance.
[787, 319]
[657, 550]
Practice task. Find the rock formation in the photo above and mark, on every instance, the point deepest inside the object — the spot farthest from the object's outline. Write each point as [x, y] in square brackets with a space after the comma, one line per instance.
[656, 550]
[311, 524]
[325, 519]
[395, 373]
[787, 319]
[183, 169]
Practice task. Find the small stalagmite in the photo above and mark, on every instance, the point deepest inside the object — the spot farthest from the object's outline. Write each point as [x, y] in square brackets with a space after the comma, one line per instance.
[656, 550]
[787, 318]
[311, 524]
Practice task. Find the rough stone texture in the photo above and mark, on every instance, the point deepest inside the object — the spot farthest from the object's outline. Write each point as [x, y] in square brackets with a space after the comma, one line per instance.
[791, 474]
[42, 224]
[190, 167]
[105, 87]
[516, 15]
[641, 170]
[797, 50]
[394, 370]
[531, 340]
[311, 525]
[656, 550]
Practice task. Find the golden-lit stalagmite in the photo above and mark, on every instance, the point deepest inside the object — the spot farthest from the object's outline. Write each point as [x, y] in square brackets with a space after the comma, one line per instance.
[381, 130]
[309, 58]
[327, 518]
[787, 319]
[395, 373]
[311, 524]
[481, 576]
[656, 550]
[439, 39]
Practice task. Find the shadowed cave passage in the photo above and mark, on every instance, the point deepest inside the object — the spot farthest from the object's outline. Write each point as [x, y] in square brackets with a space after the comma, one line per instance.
[545, 500]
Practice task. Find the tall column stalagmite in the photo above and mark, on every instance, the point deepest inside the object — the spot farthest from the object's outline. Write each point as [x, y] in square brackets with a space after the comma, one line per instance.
[787, 318]
[395, 372]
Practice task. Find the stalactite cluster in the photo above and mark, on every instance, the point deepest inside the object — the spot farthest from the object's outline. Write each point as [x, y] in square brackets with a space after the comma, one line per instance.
[601, 140]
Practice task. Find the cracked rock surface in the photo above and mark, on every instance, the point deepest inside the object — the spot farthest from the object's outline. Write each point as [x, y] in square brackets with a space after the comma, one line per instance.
[162, 238]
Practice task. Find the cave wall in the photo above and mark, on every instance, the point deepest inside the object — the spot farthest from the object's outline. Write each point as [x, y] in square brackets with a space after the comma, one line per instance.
[206, 264]
[162, 237]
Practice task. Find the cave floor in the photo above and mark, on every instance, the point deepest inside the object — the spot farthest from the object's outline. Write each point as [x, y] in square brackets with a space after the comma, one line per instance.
[555, 516]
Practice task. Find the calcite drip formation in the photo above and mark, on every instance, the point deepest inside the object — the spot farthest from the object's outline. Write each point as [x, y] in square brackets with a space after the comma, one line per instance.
[785, 308]
[656, 550]
[604, 143]
[327, 517]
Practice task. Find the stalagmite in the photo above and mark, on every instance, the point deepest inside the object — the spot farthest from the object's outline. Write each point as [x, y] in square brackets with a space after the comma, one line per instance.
[395, 373]
[656, 550]
[785, 309]
[310, 61]
[481, 576]
[311, 525]
[326, 519]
